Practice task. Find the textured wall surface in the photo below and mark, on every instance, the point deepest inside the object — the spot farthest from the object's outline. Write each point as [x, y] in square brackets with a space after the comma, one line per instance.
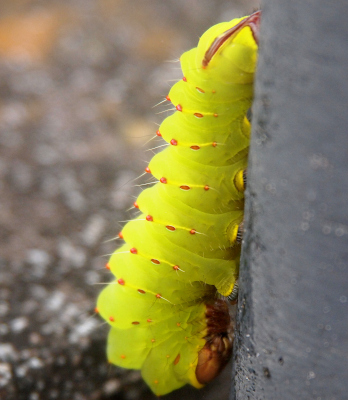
[293, 338]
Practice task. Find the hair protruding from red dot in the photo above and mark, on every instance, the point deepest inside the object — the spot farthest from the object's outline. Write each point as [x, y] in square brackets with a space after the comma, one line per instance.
[133, 250]
[214, 144]
[120, 235]
[136, 205]
[147, 169]
[163, 180]
[185, 187]
[111, 319]
[158, 133]
[179, 107]
[198, 115]
[174, 142]
[154, 261]
[121, 281]
[184, 79]
[175, 267]
[206, 187]
[158, 296]
[195, 147]
[192, 231]
[170, 227]
[167, 98]
[149, 218]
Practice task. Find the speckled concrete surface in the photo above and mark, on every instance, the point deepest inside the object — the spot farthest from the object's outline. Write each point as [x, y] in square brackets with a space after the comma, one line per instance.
[78, 79]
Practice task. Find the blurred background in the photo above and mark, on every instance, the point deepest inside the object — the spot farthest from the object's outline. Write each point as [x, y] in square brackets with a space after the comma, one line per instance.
[78, 80]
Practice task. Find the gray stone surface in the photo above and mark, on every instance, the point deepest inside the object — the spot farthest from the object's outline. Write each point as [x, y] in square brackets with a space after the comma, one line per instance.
[293, 337]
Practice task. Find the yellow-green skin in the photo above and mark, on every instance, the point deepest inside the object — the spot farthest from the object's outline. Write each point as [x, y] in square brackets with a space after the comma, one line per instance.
[156, 309]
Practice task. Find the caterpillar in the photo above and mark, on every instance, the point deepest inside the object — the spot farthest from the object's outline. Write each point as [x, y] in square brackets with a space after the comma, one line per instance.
[181, 254]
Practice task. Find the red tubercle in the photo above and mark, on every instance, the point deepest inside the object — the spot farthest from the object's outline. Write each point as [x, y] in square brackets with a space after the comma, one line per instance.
[185, 187]
[141, 291]
[214, 144]
[163, 180]
[121, 281]
[206, 187]
[153, 340]
[122, 356]
[184, 79]
[149, 218]
[178, 324]
[136, 205]
[147, 169]
[158, 296]
[111, 319]
[179, 107]
[154, 261]
[195, 147]
[192, 231]
[215, 115]
[168, 98]
[120, 235]
[96, 310]
[170, 228]
[133, 250]
[175, 267]
[149, 320]
[135, 323]
[158, 133]
[107, 266]
[174, 142]
[198, 115]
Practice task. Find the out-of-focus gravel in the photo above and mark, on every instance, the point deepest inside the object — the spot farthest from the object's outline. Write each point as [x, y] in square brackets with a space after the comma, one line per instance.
[78, 79]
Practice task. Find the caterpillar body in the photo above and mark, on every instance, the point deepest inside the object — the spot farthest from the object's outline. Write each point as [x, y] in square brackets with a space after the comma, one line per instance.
[182, 253]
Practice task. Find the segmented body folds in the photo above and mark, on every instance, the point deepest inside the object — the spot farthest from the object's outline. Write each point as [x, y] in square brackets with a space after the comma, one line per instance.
[183, 251]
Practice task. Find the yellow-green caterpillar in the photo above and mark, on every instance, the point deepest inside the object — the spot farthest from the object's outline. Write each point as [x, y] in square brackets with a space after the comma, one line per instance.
[182, 252]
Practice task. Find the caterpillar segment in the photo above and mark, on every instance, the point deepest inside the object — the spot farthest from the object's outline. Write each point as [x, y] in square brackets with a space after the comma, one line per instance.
[181, 254]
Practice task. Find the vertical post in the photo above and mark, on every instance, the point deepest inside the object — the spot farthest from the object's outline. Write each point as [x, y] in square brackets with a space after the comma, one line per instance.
[292, 336]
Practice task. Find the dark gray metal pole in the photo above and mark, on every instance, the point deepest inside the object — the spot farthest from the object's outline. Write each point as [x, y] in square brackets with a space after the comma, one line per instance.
[292, 339]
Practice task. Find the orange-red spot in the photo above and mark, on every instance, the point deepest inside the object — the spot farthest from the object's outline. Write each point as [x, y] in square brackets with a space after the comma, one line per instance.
[149, 320]
[170, 228]
[174, 142]
[141, 291]
[200, 90]
[123, 356]
[168, 98]
[215, 114]
[178, 107]
[155, 382]
[147, 169]
[213, 91]
[153, 260]
[193, 231]
[121, 281]
[149, 218]
[167, 356]
[177, 359]
[214, 144]
[136, 205]
[153, 340]
[111, 319]
[158, 133]
[107, 266]
[198, 115]
[185, 187]
[120, 235]
[158, 296]
[175, 267]
[178, 324]
[96, 310]
[135, 323]
[195, 147]
[184, 79]
[163, 180]
[206, 187]
[133, 250]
